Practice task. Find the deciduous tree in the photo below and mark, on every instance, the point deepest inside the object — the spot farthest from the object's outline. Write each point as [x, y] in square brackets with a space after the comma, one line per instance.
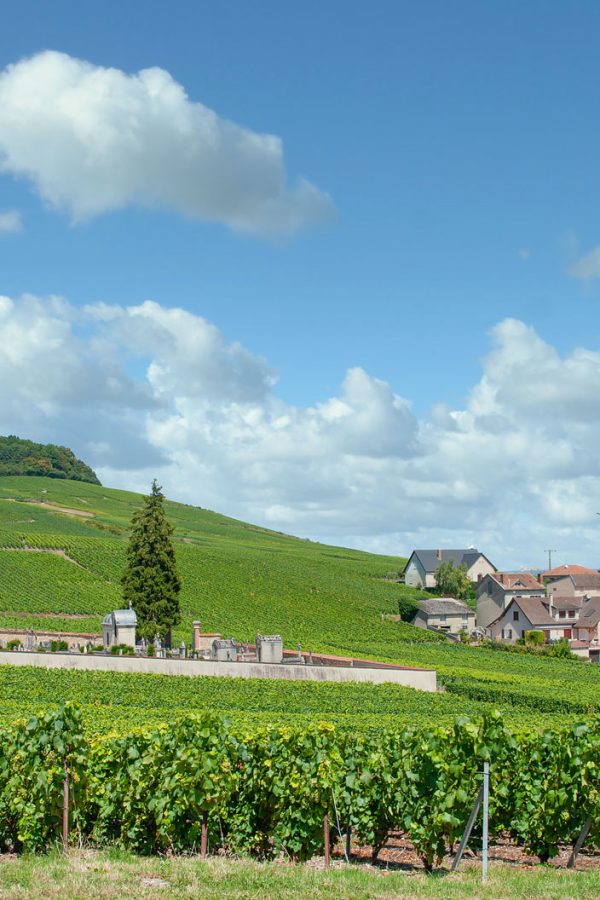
[453, 581]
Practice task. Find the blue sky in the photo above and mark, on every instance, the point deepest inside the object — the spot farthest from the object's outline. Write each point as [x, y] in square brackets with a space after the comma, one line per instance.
[459, 146]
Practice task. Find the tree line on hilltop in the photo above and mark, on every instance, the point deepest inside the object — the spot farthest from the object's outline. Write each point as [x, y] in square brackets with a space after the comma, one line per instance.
[23, 457]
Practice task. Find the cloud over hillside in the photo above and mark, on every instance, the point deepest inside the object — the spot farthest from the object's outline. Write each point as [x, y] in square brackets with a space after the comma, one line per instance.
[145, 390]
[94, 139]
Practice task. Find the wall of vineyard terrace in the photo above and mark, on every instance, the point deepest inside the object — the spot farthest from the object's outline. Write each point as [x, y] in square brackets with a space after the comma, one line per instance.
[421, 679]
[75, 639]
[265, 791]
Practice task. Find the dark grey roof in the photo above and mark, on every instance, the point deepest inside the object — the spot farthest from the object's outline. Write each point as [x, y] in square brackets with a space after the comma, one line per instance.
[430, 562]
[445, 606]
[470, 558]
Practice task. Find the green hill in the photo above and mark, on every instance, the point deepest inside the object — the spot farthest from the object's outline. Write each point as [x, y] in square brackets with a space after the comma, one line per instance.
[21, 457]
[236, 578]
[62, 550]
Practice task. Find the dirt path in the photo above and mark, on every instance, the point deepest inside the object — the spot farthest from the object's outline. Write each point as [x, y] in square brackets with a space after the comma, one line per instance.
[69, 511]
[22, 614]
[53, 550]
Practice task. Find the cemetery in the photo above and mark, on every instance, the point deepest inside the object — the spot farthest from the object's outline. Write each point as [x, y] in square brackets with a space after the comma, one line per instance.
[207, 654]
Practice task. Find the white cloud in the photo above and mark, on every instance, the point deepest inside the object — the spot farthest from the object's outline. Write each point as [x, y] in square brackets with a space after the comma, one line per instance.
[143, 390]
[588, 267]
[11, 222]
[93, 139]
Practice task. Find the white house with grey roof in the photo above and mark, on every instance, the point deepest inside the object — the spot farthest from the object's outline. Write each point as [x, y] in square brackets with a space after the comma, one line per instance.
[445, 614]
[423, 564]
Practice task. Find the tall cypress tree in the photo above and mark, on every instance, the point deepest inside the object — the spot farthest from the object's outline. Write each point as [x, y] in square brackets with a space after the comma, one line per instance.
[150, 581]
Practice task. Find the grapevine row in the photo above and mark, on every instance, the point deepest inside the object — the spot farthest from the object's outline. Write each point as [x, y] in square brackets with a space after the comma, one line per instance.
[266, 791]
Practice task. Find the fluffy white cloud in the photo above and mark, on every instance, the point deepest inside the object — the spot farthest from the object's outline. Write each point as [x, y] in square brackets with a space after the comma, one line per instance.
[93, 139]
[145, 390]
[11, 222]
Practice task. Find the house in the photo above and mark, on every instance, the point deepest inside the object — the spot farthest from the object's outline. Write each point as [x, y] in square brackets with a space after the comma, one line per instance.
[587, 627]
[563, 571]
[576, 585]
[565, 611]
[495, 592]
[118, 627]
[524, 614]
[423, 564]
[446, 614]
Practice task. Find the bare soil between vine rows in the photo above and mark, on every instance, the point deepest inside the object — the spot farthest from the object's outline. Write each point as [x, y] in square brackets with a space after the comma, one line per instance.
[399, 853]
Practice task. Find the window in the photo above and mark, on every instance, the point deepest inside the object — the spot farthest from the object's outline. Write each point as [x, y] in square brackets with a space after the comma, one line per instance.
[562, 614]
[515, 615]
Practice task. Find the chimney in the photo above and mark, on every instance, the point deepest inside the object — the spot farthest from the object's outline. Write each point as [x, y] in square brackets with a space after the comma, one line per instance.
[439, 554]
[196, 640]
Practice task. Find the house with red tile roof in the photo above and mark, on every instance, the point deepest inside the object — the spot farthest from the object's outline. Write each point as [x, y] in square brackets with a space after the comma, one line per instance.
[495, 592]
[564, 570]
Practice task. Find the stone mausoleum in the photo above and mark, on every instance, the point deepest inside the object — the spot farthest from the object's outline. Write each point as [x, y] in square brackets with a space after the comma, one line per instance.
[118, 627]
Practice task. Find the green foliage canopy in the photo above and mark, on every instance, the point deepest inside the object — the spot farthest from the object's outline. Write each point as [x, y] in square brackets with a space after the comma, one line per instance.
[264, 791]
[22, 457]
[453, 581]
[150, 581]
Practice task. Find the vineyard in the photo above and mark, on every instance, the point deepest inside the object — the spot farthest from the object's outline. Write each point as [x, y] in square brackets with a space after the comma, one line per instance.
[239, 579]
[202, 783]
[236, 578]
[111, 701]
[114, 702]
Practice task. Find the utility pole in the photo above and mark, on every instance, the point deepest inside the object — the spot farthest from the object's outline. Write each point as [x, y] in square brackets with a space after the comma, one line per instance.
[550, 552]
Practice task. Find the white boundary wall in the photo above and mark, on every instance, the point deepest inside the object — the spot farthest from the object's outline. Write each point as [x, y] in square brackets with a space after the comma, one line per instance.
[421, 679]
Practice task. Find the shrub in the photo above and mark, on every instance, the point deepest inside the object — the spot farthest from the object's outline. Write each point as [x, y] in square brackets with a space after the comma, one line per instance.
[56, 646]
[121, 650]
[535, 637]
[561, 649]
[14, 644]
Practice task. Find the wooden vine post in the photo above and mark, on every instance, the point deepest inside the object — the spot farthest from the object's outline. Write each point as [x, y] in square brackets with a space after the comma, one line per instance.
[204, 835]
[65, 815]
[326, 837]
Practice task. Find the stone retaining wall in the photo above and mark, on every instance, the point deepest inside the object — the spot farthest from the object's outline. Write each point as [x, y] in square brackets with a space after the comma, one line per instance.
[422, 679]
